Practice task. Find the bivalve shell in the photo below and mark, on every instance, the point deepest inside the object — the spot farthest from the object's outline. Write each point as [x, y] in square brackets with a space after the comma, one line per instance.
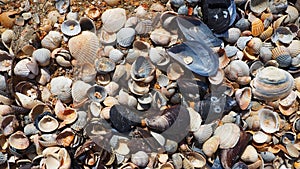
[142, 70]
[211, 145]
[231, 138]
[52, 40]
[203, 133]
[68, 115]
[160, 37]
[294, 48]
[42, 56]
[233, 35]
[47, 123]
[249, 154]
[140, 158]
[144, 27]
[243, 97]
[79, 91]
[283, 35]
[236, 69]
[106, 38]
[97, 93]
[113, 19]
[269, 120]
[88, 72]
[257, 27]
[18, 140]
[104, 65]
[86, 24]
[125, 37]
[70, 28]
[61, 87]
[282, 56]
[258, 6]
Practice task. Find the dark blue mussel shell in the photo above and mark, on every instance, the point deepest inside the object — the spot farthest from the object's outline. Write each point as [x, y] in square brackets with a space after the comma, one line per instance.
[205, 61]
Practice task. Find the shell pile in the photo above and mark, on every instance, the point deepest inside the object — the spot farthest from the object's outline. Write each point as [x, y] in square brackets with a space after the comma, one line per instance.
[150, 84]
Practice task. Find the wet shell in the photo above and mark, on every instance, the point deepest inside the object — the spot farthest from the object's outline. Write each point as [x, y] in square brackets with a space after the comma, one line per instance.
[70, 28]
[97, 93]
[294, 48]
[47, 124]
[87, 24]
[218, 78]
[258, 6]
[113, 19]
[160, 37]
[142, 70]
[18, 140]
[79, 91]
[249, 154]
[144, 27]
[257, 27]
[125, 37]
[269, 120]
[52, 40]
[61, 87]
[42, 56]
[84, 46]
[243, 97]
[272, 83]
[211, 145]
[140, 158]
[231, 138]
[104, 65]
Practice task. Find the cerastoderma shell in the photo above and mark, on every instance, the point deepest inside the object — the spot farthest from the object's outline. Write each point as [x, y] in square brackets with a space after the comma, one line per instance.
[46, 122]
[211, 145]
[272, 83]
[104, 65]
[231, 138]
[142, 70]
[125, 37]
[70, 27]
[61, 87]
[269, 120]
[258, 6]
[42, 56]
[97, 93]
[113, 19]
[18, 140]
[140, 158]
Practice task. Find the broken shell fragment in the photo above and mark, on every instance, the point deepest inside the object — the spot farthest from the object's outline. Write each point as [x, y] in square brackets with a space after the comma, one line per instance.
[211, 145]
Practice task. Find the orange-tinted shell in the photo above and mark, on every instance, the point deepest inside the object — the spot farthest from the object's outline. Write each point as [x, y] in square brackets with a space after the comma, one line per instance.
[7, 20]
[257, 27]
[243, 97]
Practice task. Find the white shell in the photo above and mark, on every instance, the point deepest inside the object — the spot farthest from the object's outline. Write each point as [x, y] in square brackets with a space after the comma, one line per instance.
[269, 120]
[113, 19]
[125, 37]
[249, 154]
[116, 55]
[44, 77]
[231, 138]
[158, 56]
[131, 22]
[70, 27]
[160, 37]
[79, 91]
[42, 56]
[61, 86]
[52, 40]
[48, 124]
[106, 38]
[144, 27]
[7, 36]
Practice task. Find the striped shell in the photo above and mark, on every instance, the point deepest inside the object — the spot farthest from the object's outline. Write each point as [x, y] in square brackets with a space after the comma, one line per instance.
[84, 46]
[79, 91]
[125, 37]
[257, 27]
[282, 56]
[272, 83]
[42, 56]
[144, 27]
[232, 136]
[266, 34]
[113, 19]
[294, 48]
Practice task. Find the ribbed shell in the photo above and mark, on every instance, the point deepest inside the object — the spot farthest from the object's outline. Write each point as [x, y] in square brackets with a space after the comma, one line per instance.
[282, 56]
[258, 6]
[204, 133]
[125, 37]
[257, 27]
[294, 48]
[272, 83]
[79, 90]
[81, 121]
[113, 19]
[42, 56]
[266, 34]
[144, 27]
[84, 46]
[232, 136]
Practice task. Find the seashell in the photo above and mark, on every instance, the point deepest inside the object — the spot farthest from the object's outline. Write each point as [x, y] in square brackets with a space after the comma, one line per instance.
[84, 46]
[257, 27]
[177, 3]
[265, 84]
[223, 61]
[142, 47]
[79, 91]
[70, 28]
[80, 122]
[231, 50]
[96, 93]
[265, 54]
[143, 27]
[253, 46]
[278, 6]
[106, 38]
[293, 48]
[131, 22]
[104, 65]
[140, 158]
[243, 97]
[116, 55]
[112, 2]
[258, 7]
[296, 125]
[203, 133]
[232, 136]
[266, 34]
[211, 145]
[62, 57]
[242, 42]
[162, 80]
[267, 156]
[126, 99]
[67, 115]
[7, 19]
[160, 37]
[233, 35]
[37, 110]
[236, 69]
[42, 56]
[72, 16]
[62, 6]
[52, 40]
[279, 21]
[292, 150]
[86, 24]
[88, 72]
[30, 129]
[46, 122]
[197, 160]
[249, 154]
[125, 37]
[283, 35]
[61, 87]
[290, 109]
[182, 10]
[7, 36]
[142, 70]
[9, 124]
[44, 76]
[269, 120]
[288, 100]
[282, 56]
[113, 19]
[255, 67]
[293, 14]
[65, 137]
[158, 56]
[18, 140]
[218, 78]
[26, 101]
[112, 88]
[26, 68]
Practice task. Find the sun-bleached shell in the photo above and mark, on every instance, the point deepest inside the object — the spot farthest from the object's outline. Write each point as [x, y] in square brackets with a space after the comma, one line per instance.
[42, 56]
[106, 38]
[231, 138]
[160, 37]
[70, 27]
[84, 46]
[269, 120]
[52, 40]
[79, 90]
[113, 19]
[211, 145]
[61, 87]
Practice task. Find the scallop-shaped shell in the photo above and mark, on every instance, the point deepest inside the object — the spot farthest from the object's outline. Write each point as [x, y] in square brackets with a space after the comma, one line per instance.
[61, 87]
[158, 56]
[125, 37]
[18, 140]
[243, 97]
[258, 6]
[97, 93]
[104, 65]
[113, 19]
[140, 158]
[42, 56]
[142, 70]
[203, 133]
[67, 115]
[70, 28]
[160, 37]
[47, 124]
[116, 55]
[65, 138]
[294, 48]
[7, 36]
[282, 56]
[232, 135]
[106, 38]
[283, 35]
[211, 145]
[143, 27]
[266, 34]
[84, 46]
[88, 72]
[269, 120]
[272, 83]
[293, 14]
[257, 27]
[233, 35]
[80, 122]
[87, 24]
[235, 69]
[249, 154]
[52, 40]
[79, 91]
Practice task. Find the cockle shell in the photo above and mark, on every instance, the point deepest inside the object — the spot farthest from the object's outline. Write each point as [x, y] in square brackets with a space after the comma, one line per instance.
[84, 46]
[104, 65]
[283, 35]
[236, 69]
[254, 45]
[88, 72]
[42, 56]
[272, 83]
[142, 70]
[249, 154]
[80, 122]
[79, 91]
[125, 37]
[52, 40]
[282, 56]
[243, 97]
[106, 38]
[143, 27]
[113, 19]
[233, 35]
[203, 133]
[278, 6]
[9, 124]
[47, 123]
[160, 37]
[294, 48]
[269, 120]
[231, 138]
[70, 28]
[211, 145]
[7, 36]
[115, 55]
[18, 140]
[67, 115]
[26, 68]
[158, 56]
[196, 160]
[140, 158]
[65, 137]
[266, 34]
[61, 87]
[258, 6]
[293, 14]
[97, 93]
[257, 27]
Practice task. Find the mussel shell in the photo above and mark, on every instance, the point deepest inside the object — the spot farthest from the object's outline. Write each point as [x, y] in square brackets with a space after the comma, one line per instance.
[97, 93]
[206, 65]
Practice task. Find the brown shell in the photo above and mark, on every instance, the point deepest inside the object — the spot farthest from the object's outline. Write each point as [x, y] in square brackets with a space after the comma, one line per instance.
[266, 34]
[243, 97]
[279, 51]
[18, 140]
[68, 115]
[84, 46]
[278, 22]
[66, 137]
[257, 27]
[7, 20]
